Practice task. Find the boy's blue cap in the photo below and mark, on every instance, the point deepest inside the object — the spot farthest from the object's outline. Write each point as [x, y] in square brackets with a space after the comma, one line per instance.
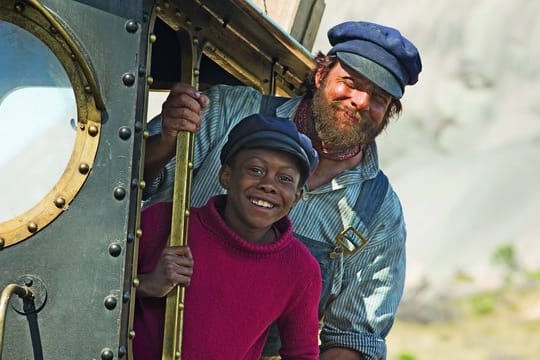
[380, 53]
[260, 131]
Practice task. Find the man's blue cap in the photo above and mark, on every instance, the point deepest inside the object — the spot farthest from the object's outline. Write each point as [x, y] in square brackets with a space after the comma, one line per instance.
[380, 53]
[260, 131]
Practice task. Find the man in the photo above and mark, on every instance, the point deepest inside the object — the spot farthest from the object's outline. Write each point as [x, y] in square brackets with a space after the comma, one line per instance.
[349, 217]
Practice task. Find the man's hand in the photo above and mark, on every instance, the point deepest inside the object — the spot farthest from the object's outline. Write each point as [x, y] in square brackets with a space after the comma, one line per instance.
[174, 267]
[341, 354]
[182, 110]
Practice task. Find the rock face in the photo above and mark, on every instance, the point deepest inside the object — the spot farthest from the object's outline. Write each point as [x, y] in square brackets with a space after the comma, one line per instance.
[464, 154]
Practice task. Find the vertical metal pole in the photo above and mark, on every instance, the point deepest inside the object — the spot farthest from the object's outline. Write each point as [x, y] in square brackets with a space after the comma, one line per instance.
[174, 311]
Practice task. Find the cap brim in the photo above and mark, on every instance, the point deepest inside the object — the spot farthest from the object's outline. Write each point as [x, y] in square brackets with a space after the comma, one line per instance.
[373, 71]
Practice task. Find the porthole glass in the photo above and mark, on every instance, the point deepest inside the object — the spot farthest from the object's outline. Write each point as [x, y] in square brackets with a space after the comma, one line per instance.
[38, 115]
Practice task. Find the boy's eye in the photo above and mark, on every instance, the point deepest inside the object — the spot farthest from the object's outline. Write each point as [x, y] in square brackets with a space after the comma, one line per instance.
[286, 178]
[256, 170]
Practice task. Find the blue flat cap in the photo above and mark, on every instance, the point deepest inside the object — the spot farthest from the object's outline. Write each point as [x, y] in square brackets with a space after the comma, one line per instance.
[380, 53]
[259, 131]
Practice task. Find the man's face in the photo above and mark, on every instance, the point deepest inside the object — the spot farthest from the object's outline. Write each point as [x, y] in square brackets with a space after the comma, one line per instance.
[348, 109]
[262, 186]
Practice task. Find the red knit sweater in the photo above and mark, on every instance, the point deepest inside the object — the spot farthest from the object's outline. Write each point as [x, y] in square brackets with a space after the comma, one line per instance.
[237, 290]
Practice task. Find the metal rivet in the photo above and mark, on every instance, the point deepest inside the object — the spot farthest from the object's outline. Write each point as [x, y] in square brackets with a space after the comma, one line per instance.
[107, 354]
[134, 183]
[186, 212]
[146, 134]
[110, 302]
[131, 334]
[132, 26]
[190, 165]
[152, 38]
[59, 202]
[32, 227]
[188, 22]
[135, 282]
[138, 126]
[149, 80]
[142, 70]
[130, 237]
[84, 168]
[196, 72]
[88, 89]
[93, 130]
[142, 184]
[28, 281]
[128, 79]
[19, 7]
[138, 233]
[115, 250]
[124, 133]
[126, 296]
[195, 41]
[119, 193]
[122, 351]
[180, 306]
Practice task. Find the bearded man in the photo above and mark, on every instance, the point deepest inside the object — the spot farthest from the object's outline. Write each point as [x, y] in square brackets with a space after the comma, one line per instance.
[349, 216]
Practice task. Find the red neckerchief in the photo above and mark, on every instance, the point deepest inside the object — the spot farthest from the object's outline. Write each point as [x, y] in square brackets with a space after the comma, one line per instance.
[304, 123]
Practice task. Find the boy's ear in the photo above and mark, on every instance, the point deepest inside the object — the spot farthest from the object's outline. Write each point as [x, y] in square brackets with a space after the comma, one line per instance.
[225, 176]
[298, 195]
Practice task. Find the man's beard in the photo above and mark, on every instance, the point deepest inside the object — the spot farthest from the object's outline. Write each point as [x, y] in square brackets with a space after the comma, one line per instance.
[339, 128]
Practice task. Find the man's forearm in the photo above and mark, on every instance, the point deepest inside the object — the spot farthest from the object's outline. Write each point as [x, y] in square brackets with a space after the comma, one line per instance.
[157, 155]
[341, 354]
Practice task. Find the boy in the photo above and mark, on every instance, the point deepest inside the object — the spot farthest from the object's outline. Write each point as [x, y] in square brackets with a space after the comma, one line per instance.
[250, 271]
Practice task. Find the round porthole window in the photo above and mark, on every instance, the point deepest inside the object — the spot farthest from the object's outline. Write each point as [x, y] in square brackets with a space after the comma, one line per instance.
[50, 120]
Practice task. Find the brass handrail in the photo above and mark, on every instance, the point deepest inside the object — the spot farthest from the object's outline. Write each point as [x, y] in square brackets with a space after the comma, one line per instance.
[23, 292]
[174, 308]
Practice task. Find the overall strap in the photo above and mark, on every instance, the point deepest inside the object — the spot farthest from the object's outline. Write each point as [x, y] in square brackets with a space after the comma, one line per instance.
[270, 103]
[371, 198]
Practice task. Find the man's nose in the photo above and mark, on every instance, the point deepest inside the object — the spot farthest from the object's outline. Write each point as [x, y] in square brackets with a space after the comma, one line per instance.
[360, 99]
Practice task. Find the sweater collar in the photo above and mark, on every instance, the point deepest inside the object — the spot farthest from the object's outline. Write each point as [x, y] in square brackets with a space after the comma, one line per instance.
[210, 216]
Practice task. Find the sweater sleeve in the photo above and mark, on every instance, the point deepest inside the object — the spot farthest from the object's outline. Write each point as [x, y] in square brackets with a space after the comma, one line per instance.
[299, 324]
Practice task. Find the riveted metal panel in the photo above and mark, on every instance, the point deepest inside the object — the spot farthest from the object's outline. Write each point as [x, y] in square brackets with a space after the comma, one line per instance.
[82, 261]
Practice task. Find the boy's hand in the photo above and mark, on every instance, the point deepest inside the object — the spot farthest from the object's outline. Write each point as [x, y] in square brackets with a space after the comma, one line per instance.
[174, 267]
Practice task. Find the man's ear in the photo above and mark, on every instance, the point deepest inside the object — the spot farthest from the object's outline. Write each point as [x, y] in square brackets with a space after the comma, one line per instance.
[225, 176]
[318, 78]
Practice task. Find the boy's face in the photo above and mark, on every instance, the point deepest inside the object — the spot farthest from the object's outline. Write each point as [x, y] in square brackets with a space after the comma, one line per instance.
[262, 187]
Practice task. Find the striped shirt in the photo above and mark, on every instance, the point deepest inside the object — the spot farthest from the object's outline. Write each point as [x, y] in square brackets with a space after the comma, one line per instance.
[365, 287]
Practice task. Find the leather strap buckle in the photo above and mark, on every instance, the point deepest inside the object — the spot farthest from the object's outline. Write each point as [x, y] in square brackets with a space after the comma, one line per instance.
[351, 240]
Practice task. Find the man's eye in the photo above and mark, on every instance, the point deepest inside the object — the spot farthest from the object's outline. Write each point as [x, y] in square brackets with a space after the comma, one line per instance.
[350, 83]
